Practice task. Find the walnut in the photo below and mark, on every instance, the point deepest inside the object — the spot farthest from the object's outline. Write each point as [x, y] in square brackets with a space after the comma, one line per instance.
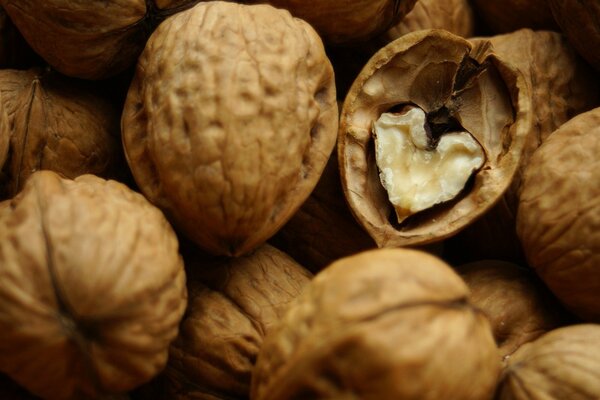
[90, 301]
[383, 324]
[562, 364]
[55, 123]
[89, 39]
[519, 307]
[232, 138]
[559, 214]
[503, 16]
[579, 22]
[462, 94]
[233, 305]
[346, 21]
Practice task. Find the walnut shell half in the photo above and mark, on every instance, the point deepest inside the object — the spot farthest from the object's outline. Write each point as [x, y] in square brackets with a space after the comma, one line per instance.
[227, 126]
[461, 88]
[92, 287]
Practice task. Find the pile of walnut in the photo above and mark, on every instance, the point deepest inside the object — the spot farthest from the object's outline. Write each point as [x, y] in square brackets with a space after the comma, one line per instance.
[291, 199]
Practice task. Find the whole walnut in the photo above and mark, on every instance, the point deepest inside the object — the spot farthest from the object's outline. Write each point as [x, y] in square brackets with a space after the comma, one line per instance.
[92, 287]
[383, 324]
[233, 304]
[558, 218]
[89, 39]
[55, 123]
[562, 364]
[518, 306]
[232, 137]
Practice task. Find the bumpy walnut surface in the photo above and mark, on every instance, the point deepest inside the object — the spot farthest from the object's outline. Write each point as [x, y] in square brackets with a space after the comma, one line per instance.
[384, 324]
[230, 120]
[461, 88]
[558, 217]
[54, 123]
[233, 304]
[92, 287]
[562, 364]
[89, 39]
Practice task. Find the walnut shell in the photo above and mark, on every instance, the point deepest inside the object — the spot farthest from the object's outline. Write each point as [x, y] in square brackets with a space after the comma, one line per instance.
[92, 287]
[519, 308]
[562, 364]
[383, 324]
[558, 217]
[501, 16]
[231, 139]
[442, 74]
[346, 21]
[579, 22]
[233, 305]
[89, 39]
[56, 124]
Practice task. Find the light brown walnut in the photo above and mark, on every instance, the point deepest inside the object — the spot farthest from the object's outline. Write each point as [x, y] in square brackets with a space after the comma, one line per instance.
[92, 287]
[229, 121]
[558, 219]
[383, 324]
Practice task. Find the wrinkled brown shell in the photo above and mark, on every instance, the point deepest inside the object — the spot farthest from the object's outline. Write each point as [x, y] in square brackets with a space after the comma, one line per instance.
[57, 125]
[580, 22]
[501, 16]
[89, 39]
[346, 21]
[92, 287]
[455, 16]
[562, 364]
[323, 229]
[384, 324]
[558, 219]
[518, 306]
[232, 138]
[421, 68]
[233, 305]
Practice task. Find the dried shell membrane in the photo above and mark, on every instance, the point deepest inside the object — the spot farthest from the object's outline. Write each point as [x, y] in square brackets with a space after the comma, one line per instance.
[383, 324]
[562, 364]
[230, 140]
[54, 123]
[90, 303]
[233, 304]
[455, 83]
[89, 39]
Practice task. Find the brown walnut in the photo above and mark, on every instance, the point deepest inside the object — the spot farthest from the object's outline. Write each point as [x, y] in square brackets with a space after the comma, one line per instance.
[464, 91]
[383, 324]
[54, 123]
[232, 138]
[89, 39]
[558, 218]
[562, 364]
[233, 304]
[92, 287]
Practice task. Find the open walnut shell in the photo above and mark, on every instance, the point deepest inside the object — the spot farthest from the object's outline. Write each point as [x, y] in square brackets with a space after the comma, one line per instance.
[562, 364]
[89, 39]
[92, 287]
[55, 124]
[455, 84]
[233, 304]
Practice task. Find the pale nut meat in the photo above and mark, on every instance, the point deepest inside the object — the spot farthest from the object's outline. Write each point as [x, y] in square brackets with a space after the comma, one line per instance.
[579, 20]
[89, 303]
[233, 304]
[346, 22]
[562, 364]
[232, 138]
[89, 39]
[461, 88]
[383, 324]
[502, 16]
[55, 123]
[518, 306]
[558, 219]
